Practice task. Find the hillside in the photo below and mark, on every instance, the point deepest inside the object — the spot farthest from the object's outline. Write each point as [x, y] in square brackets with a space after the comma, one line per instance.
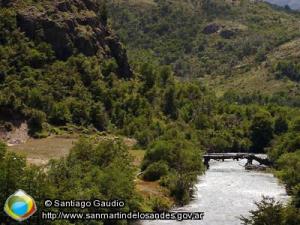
[53, 57]
[215, 40]
[130, 118]
[277, 76]
[63, 71]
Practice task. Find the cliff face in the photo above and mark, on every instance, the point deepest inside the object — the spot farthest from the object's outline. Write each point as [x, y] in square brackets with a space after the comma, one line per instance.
[73, 26]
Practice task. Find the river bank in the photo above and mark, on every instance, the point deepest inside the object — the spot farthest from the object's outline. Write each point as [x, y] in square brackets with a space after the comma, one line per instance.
[228, 191]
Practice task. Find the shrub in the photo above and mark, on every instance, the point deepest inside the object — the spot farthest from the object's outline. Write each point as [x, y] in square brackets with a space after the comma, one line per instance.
[296, 124]
[80, 111]
[148, 76]
[3, 150]
[109, 66]
[155, 171]
[36, 120]
[99, 117]
[181, 189]
[289, 165]
[169, 104]
[288, 69]
[270, 212]
[60, 114]
[182, 158]
[296, 196]
[281, 125]
[160, 204]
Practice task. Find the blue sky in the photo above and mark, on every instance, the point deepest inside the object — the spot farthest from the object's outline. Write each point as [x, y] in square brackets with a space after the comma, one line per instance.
[295, 4]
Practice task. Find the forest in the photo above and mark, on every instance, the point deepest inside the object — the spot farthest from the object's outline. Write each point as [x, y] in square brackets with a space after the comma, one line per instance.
[162, 101]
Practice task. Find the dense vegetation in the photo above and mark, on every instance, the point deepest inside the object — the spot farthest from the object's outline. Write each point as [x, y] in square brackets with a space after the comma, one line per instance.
[288, 69]
[270, 212]
[202, 37]
[87, 91]
[90, 171]
[229, 46]
[174, 120]
[189, 36]
[285, 153]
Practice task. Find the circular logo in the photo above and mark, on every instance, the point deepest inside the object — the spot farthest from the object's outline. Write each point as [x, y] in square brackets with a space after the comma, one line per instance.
[20, 206]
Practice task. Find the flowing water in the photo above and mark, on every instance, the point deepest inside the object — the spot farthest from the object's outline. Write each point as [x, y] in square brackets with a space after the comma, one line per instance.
[228, 191]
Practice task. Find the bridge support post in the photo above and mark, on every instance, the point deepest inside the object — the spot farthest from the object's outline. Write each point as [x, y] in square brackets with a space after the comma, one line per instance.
[206, 162]
[249, 161]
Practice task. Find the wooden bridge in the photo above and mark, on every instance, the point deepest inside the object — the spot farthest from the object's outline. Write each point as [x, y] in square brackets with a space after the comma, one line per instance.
[236, 156]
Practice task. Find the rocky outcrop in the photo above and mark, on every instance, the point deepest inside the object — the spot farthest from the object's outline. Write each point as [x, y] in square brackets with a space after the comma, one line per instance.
[73, 26]
[224, 31]
[13, 127]
[16, 136]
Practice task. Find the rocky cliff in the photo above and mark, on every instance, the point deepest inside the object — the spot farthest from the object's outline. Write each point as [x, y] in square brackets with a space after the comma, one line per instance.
[73, 26]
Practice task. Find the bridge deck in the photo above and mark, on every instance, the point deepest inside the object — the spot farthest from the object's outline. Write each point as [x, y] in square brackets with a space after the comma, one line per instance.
[226, 155]
[236, 156]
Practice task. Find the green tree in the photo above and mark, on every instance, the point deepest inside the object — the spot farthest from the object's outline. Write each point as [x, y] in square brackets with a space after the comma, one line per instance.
[281, 125]
[183, 159]
[36, 120]
[268, 212]
[148, 76]
[289, 169]
[296, 124]
[96, 171]
[99, 116]
[60, 114]
[155, 171]
[165, 75]
[261, 131]
[169, 103]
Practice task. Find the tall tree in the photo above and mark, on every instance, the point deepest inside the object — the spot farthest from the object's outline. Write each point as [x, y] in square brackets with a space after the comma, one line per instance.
[169, 106]
[261, 131]
[281, 125]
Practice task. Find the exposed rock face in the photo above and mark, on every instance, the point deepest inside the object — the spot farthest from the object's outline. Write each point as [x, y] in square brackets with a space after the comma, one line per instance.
[72, 26]
[18, 135]
[13, 127]
[224, 31]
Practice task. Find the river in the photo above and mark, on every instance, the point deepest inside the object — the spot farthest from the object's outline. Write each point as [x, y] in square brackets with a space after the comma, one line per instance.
[227, 191]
